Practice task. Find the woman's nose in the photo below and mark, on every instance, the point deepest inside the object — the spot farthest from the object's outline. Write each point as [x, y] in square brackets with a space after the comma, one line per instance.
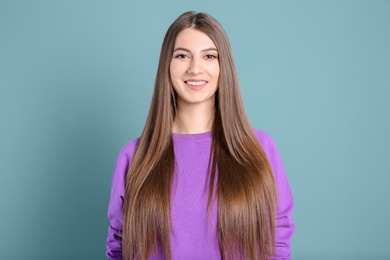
[195, 66]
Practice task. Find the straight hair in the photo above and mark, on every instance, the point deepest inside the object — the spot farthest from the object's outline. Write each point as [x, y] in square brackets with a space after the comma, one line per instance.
[245, 190]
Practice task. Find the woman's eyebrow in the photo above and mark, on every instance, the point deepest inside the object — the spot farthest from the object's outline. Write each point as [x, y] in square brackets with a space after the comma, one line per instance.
[210, 49]
[187, 50]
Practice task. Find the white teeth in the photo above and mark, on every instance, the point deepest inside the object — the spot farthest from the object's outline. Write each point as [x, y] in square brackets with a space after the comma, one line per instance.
[195, 83]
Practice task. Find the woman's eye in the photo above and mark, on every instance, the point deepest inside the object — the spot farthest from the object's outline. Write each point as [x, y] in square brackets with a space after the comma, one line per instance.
[181, 56]
[210, 56]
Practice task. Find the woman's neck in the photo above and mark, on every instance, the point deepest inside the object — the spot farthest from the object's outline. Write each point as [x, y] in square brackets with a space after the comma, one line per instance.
[193, 119]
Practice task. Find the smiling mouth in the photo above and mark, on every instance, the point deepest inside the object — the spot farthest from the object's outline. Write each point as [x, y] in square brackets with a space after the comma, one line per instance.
[195, 83]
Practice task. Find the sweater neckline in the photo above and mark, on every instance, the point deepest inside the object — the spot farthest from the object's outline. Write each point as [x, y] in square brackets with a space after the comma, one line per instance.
[195, 137]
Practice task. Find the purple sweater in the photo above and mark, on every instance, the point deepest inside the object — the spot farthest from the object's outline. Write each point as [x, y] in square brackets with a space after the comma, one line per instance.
[193, 235]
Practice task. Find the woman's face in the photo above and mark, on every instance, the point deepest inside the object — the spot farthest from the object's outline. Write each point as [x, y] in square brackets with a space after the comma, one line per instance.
[194, 68]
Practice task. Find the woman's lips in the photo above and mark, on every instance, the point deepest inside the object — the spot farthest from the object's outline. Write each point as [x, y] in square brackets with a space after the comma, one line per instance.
[196, 84]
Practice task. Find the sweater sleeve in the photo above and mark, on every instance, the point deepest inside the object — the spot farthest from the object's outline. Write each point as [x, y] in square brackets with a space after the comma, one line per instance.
[115, 215]
[284, 223]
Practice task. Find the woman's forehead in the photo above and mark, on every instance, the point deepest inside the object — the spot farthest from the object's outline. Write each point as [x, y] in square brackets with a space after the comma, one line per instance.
[193, 39]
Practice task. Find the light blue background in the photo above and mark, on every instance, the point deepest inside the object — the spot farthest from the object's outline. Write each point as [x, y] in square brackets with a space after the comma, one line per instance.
[76, 79]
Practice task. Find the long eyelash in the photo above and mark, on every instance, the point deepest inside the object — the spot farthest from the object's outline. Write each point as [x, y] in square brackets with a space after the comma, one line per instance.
[211, 56]
[181, 56]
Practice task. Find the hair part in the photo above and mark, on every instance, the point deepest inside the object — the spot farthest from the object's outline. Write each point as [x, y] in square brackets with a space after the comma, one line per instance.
[245, 189]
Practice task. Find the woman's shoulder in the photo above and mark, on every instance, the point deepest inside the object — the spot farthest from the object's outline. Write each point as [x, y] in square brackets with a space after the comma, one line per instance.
[128, 149]
[121, 165]
[269, 147]
[264, 138]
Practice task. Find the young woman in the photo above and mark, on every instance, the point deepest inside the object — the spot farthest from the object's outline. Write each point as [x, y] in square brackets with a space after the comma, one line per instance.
[199, 183]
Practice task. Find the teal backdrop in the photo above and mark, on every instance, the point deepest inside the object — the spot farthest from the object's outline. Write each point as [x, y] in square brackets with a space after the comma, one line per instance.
[76, 79]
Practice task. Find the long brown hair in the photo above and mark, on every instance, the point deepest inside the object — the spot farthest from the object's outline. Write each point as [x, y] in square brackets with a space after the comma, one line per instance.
[245, 189]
